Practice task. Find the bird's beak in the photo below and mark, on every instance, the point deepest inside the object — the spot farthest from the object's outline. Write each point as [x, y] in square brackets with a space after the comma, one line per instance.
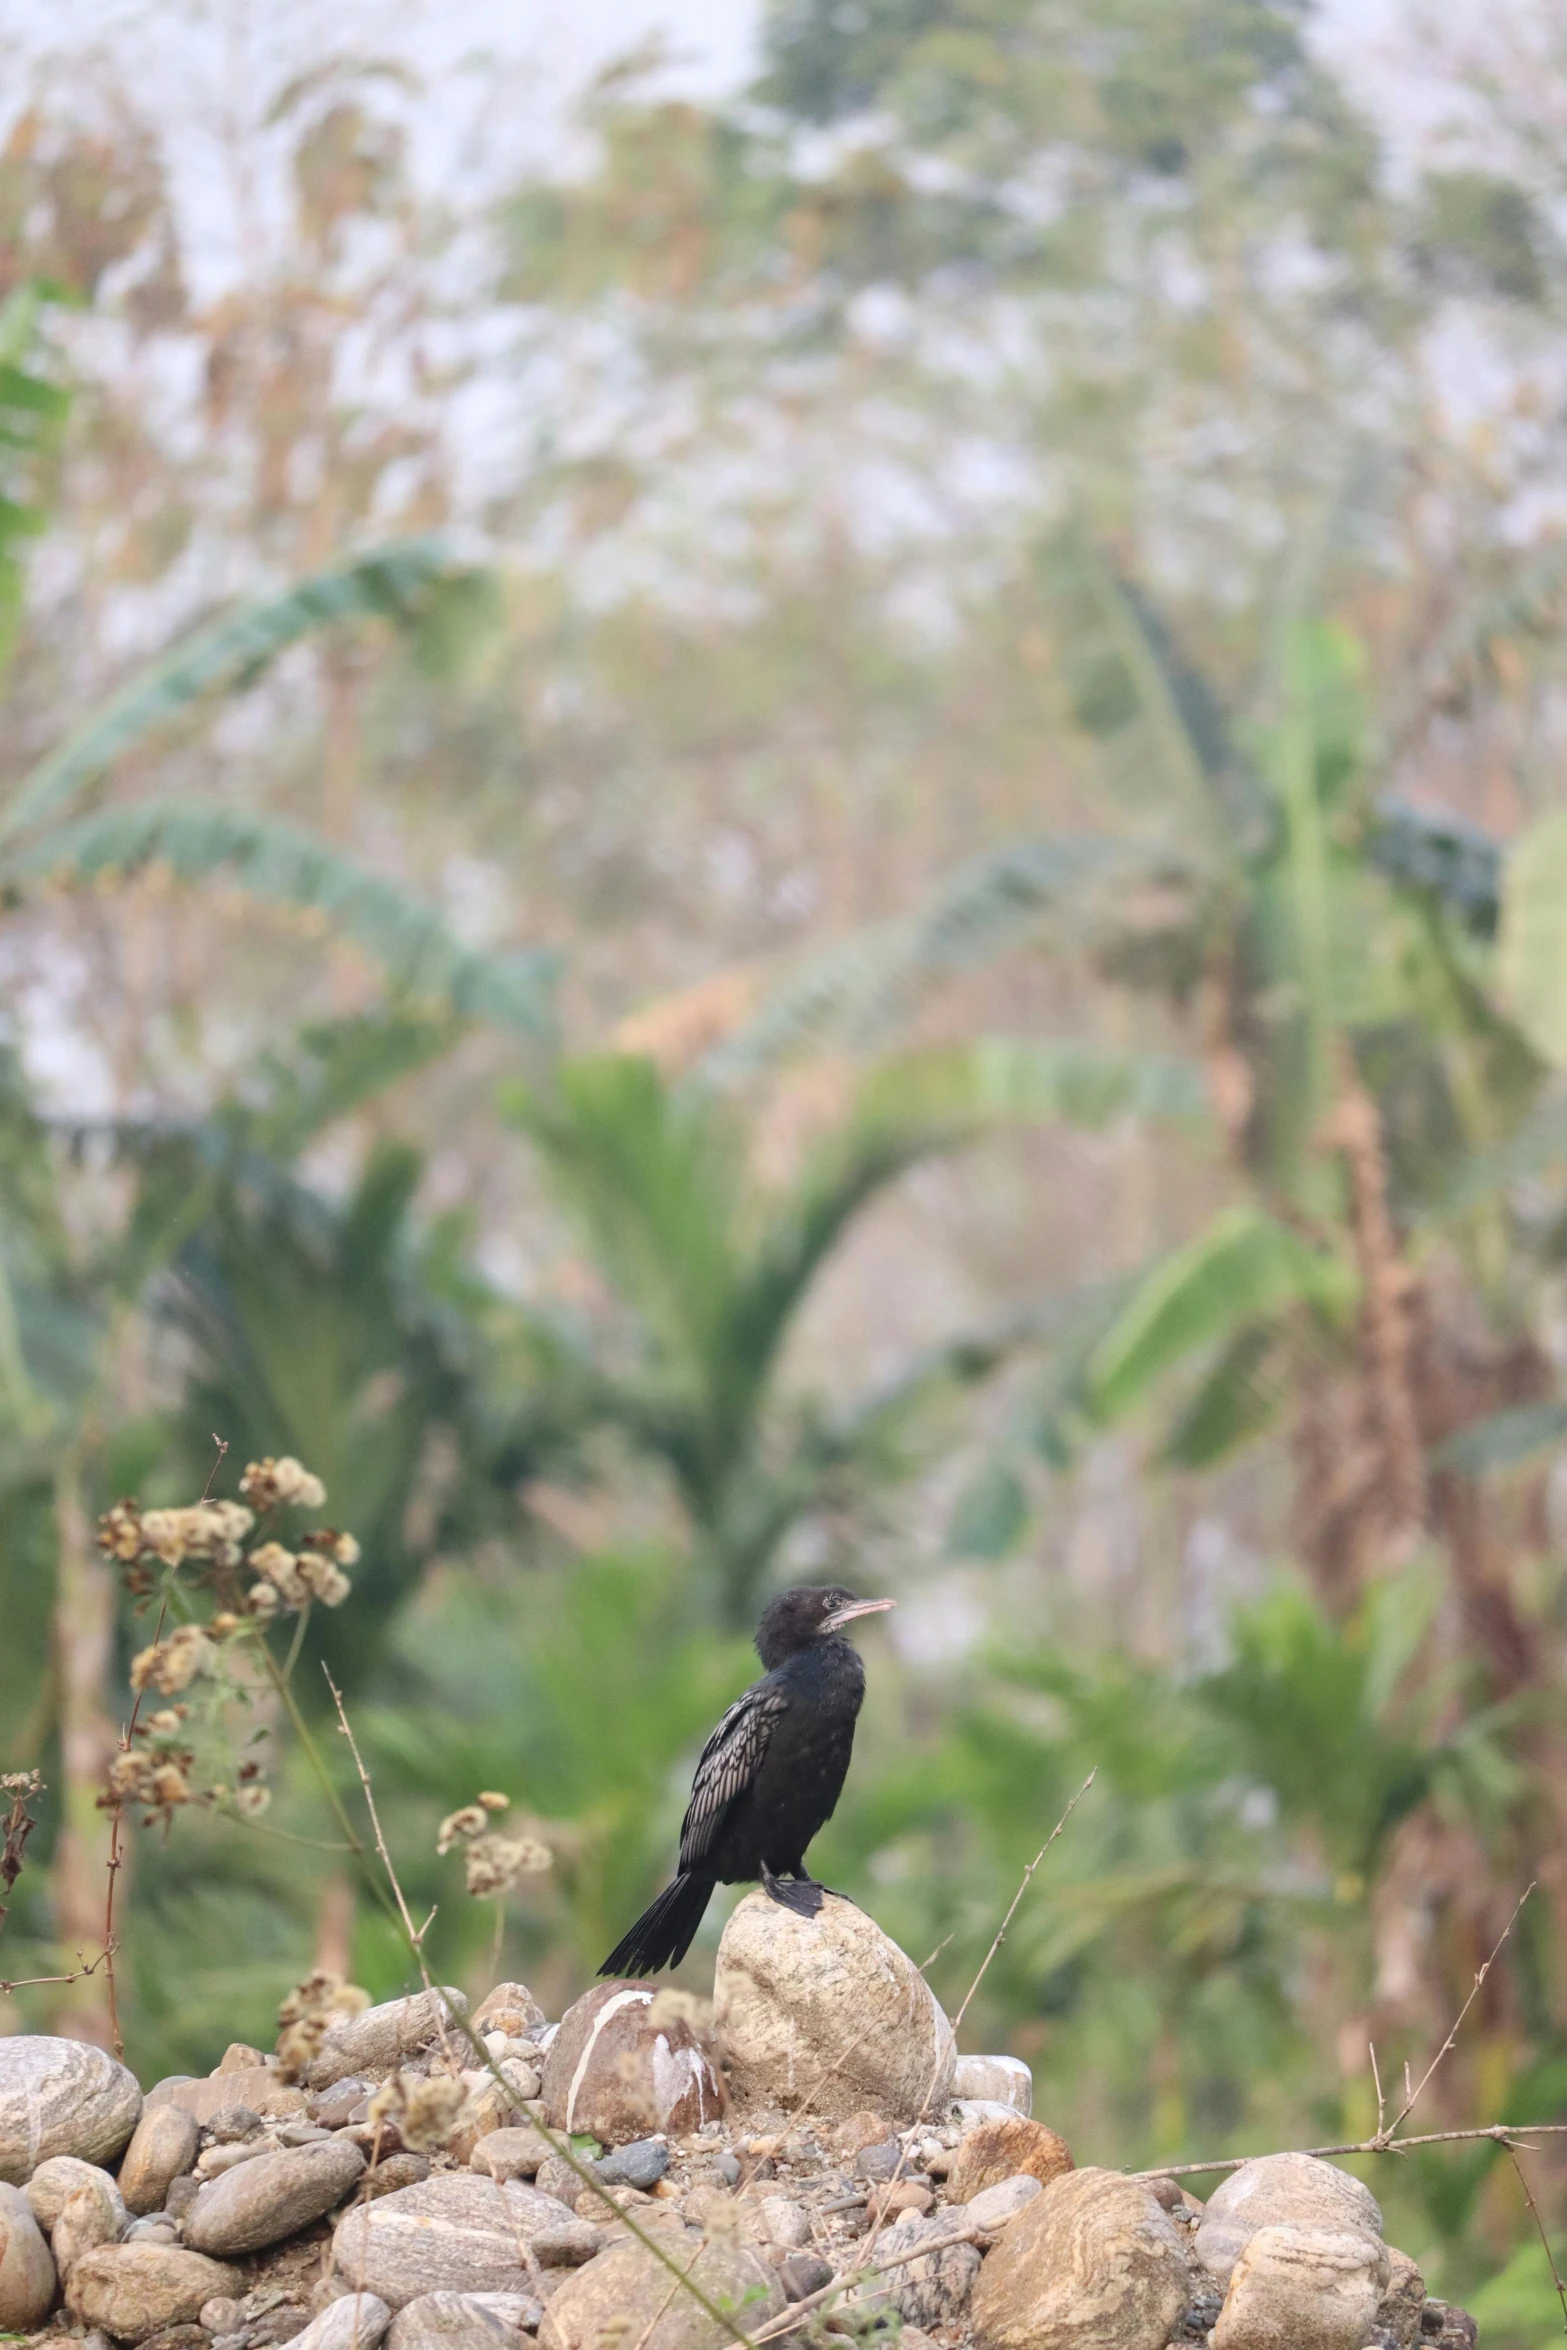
[860, 1607]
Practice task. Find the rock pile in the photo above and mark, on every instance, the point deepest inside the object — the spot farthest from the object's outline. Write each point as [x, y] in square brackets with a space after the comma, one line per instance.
[822, 2130]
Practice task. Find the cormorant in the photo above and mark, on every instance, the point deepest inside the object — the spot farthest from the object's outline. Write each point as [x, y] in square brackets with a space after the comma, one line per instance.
[769, 1776]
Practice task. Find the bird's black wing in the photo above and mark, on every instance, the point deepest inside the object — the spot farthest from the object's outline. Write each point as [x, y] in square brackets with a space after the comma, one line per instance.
[729, 1762]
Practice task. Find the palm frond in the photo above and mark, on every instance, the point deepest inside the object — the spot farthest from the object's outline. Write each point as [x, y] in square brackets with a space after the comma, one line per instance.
[1235, 1401]
[33, 409]
[855, 991]
[1242, 1267]
[1447, 858]
[1005, 1079]
[402, 582]
[283, 865]
[1539, 1144]
[1502, 1439]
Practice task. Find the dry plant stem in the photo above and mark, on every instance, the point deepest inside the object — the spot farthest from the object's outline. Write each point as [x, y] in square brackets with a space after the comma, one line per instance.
[460, 2025]
[1024, 1882]
[1545, 2241]
[312, 1754]
[88, 1966]
[415, 1936]
[116, 1859]
[1408, 2106]
[1500, 2134]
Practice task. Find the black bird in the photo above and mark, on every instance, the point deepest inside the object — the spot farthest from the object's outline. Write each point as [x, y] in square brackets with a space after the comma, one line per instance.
[769, 1778]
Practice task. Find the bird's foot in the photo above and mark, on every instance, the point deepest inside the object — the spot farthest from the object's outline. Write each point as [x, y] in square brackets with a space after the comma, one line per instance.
[801, 1894]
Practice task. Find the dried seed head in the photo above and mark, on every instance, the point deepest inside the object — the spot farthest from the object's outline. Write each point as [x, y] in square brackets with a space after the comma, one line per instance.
[493, 1864]
[458, 1826]
[252, 1799]
[493, 1802]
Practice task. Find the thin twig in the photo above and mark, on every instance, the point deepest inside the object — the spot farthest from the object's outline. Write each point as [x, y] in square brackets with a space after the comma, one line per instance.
[1545, 2241]
[1377, 2077]
[415, 1936]
[222, 1444]
[116, 1860]
[1500, 2133]
[32, 1982]
[1415, 2094]
[1024, 1882]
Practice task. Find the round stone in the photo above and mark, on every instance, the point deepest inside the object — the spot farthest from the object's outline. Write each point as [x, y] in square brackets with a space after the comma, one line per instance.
[457, 2233]
[1094, 2262]
[133, 2290]
[61, 2097]
[27, 2272]
[163, 2147]
[1281, 2191]
[273, 2196]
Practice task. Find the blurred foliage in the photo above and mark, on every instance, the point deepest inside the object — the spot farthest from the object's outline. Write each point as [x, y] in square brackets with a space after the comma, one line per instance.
[1027, 721]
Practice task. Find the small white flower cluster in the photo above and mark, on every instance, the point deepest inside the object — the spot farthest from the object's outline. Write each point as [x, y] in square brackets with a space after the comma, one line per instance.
[171, 1665]
[492, 1863]
[293, 1578]
[206, 1530]
[268, 1483]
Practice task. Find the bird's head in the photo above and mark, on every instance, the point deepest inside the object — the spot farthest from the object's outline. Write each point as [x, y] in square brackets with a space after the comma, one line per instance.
[811, 1611]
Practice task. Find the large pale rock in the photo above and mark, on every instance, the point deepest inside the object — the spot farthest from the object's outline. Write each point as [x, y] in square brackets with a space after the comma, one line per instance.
[510, 2008]
[273, 2196]
[61, 2097]
[379, 2038]
[465, 2321]
[1281, 2191]
[1006, 2149]
[1302, 2289]
[936, 2289]
[355, 2322]
[998, 2080]
[827, 2013]
[264, 2092]
[625, 2295]
[54, 2182]
[621, 2067]
[456, 2234]
[164, 2146]
[133, 2290]
[27, 2276]
[994, 2207]
[1093, 2263]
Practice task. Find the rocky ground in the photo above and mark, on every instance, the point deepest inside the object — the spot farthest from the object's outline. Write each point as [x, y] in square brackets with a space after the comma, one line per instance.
[813, 2156]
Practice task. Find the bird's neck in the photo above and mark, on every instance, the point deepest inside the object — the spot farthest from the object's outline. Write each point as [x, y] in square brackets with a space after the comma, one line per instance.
[830, 1667]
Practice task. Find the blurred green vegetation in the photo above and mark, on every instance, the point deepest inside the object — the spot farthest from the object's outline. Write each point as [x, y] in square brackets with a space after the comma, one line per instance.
[947, 967]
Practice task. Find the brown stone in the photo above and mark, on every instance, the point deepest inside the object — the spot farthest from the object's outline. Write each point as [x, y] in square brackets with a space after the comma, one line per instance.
[827, 2015]
[1093, 2263]
[621, 2068]
[379, 2038]
[134, 2290]
[512, 2153]
[27, 2272]
[266, 2093]
[54, 2182]
[273, 2196]
[1006, 2150]
[628, 2295]
[162, 2149]
[510, 2008]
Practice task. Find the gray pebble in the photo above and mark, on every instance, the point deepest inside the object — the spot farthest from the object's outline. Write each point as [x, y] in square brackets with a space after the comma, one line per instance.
[728, 2168]
[878, 2162]
[803, 2273]
[641, 2164]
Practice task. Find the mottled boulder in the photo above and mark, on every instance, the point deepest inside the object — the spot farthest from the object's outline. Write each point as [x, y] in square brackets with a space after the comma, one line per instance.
[163, 2147]
[934, 2290]
[273, 2196]
[61, 2097]
[827, 2013]
[1281, 2191]
[1302, 2289]
[510, 2008]
[379, 2038]
[27, 2274]
[465, 2321]
[54, 2182]
[456, 2234]
[627, 2063]
[133, 2290]
[625, 2295]
[1007, 2149]
[998, 2080]
[1093, 2263]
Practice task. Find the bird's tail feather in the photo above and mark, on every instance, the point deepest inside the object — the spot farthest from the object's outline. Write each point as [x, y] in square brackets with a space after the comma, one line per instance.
[663, 1933]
